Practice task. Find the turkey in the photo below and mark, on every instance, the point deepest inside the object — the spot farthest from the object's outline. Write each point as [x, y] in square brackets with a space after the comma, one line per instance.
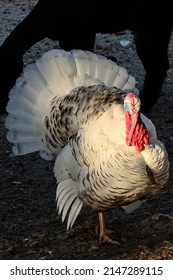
[82, 111]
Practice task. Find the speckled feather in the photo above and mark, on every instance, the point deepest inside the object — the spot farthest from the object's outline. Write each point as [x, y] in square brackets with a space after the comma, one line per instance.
[80, 107]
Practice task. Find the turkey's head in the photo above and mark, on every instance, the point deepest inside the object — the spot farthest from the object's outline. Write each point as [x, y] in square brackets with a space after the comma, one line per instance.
[136, 132]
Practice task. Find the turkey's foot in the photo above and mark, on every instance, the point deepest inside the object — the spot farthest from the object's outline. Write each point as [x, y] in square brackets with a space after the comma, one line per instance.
[104, 237]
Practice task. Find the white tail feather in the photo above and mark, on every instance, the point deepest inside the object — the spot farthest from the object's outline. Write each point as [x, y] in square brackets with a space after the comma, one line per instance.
[67, 206]
[61, 201]
[74, 212]
[68, 201]
[58, 69]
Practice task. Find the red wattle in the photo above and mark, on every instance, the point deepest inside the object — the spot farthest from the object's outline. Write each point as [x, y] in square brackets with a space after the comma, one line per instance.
[139, 137]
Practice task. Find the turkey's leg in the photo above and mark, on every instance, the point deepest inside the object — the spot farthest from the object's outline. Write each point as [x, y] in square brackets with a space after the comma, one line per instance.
[102, 232]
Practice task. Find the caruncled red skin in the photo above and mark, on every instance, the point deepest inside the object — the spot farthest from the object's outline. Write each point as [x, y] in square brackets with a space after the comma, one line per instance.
[136, 132]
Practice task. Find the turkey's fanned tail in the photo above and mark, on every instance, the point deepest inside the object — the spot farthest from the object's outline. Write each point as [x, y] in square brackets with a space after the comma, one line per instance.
[100, 70]
[56, 73]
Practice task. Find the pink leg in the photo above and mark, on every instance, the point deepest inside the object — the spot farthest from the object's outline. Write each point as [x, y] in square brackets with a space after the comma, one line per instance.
[103, 232]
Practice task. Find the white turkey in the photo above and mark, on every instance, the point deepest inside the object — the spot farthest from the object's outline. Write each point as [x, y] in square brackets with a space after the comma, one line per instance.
[81, 109]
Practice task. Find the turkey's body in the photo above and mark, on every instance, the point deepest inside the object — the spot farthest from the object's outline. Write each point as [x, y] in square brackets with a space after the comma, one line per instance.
[72, 108]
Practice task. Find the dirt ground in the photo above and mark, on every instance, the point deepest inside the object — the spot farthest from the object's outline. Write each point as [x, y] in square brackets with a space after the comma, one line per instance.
[29, 224]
